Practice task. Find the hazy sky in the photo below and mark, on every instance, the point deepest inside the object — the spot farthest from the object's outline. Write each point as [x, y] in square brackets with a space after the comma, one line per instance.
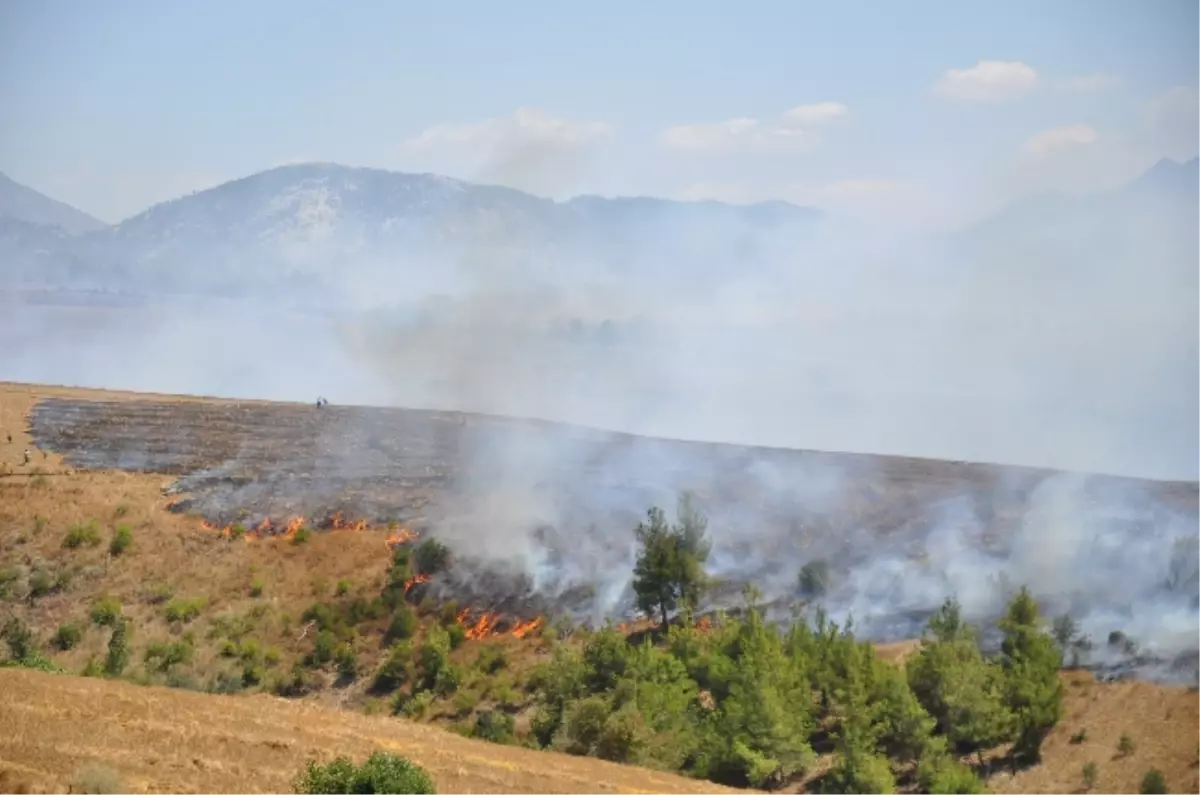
[915, 112]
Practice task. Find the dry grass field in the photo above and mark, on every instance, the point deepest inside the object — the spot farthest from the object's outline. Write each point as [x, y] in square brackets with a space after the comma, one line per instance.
[171, 740]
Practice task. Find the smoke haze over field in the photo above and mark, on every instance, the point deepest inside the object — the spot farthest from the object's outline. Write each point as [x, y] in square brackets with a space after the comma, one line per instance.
[956, 246]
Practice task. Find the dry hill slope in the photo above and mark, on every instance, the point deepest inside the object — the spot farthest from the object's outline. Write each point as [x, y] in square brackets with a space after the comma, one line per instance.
[173, 740]
[162, 740]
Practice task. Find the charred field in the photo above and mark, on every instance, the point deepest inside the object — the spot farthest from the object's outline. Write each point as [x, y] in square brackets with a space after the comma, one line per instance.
[539, 516]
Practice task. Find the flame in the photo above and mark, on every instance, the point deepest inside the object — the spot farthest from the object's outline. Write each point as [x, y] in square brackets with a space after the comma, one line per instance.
[623, 629]
[293, 526]
[400, 536]
[704, 624]
[524, 628]
[411, 581]
[483, 627]
[263, 528]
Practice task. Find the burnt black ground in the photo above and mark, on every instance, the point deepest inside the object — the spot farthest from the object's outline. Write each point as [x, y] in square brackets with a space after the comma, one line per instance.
[770, 510]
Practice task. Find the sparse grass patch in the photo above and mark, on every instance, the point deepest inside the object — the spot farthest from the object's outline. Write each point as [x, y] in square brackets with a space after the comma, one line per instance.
[256, 587]
[302, 536]
[95, 779]
[1079, 737]
[1091, 774]
[1153, 783]
[105, 611]
[158, 594]
[1126, 745]
[121, 539]
[67, 636]
[183, 611]
[82, 535]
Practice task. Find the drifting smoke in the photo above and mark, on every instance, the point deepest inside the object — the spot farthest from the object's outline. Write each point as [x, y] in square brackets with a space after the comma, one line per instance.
[684, 325]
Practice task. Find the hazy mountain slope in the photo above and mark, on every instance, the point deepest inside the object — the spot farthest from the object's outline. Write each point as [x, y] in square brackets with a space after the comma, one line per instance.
[21, 203]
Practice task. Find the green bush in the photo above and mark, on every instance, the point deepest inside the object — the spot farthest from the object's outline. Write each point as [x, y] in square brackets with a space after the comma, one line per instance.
[302, 536]
[105, 611]
[1153, 783]
[403, 625]
[343, 588]
[68, 636]
[162, 657]
[118, 649]
[1091, 774]
[183, 611]
[256, 587]
[395, 670]
[82, 535]
[491, 660]
[382, 773]
[457, 634]
[494, 726]
[122, 538]
[22, 645]
[430, 557]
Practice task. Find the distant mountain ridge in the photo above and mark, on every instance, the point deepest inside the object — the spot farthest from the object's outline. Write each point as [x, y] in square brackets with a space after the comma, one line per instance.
[303, 229]
[329, 232]
[26, 205]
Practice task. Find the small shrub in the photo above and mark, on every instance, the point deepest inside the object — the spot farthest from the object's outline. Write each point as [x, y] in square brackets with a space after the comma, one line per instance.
[343, 588]
[813, 581]
[465, 702]
[22, 645]
[96, 779]
[457, 634]
[403, 624]
[416, 707]
[236, 531]
[183, 611]
[68, 636]
[347, 663]
[1126, 745]
[162, 657]
[302, 536]
[10, 576]
[82, 535]
[256, 588]
[1091, 774]
[494, 726]
[159, 594]
[448, 678]
[382, 773]
[430, 556]
[1153, 783]
[323, 649]
[395, 670]
[41, 583]
[105, 611]
[122, 538]
[226, 683]
[1079, 737]
[118, 649]
[492, 659]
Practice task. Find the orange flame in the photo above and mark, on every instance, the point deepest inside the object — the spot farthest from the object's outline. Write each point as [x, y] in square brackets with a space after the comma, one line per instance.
[401, 536]
[704, 624]
[410, 582]
[524, 628]
[483, 627]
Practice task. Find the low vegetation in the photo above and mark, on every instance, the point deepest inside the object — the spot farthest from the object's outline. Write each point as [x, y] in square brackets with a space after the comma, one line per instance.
[381, 772]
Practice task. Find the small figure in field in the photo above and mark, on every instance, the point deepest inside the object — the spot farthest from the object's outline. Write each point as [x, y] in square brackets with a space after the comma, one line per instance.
[26, 455]
[322, 402]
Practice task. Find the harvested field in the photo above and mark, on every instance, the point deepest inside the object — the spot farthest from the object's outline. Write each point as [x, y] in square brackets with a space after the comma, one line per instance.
[161, 740]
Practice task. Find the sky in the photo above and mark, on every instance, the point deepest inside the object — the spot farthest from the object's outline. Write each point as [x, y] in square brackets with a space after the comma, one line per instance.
[925, 114]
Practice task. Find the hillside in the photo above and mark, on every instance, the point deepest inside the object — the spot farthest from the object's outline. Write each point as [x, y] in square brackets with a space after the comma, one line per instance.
[286, 228]
[23, 204]
[240, 625]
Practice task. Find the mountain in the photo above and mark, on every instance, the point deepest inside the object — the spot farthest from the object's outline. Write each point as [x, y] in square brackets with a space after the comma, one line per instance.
[330, 231]
[23, 204]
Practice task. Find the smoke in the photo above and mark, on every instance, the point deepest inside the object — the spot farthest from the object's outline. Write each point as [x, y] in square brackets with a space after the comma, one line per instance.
[1013, 346]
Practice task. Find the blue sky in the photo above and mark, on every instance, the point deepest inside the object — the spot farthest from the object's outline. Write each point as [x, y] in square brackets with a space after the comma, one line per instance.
[916, 112]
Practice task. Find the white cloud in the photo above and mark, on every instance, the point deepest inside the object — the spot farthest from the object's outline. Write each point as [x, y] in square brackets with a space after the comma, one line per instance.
[1099, 81]
[1059, 139]
[796, 130]
[987, 81]
[525, 126]
[818, 113]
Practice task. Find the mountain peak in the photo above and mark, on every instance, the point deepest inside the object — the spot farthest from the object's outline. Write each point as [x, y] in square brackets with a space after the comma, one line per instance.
[22, 203]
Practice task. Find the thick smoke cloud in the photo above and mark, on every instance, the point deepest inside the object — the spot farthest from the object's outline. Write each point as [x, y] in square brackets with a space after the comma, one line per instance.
[822, 337]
